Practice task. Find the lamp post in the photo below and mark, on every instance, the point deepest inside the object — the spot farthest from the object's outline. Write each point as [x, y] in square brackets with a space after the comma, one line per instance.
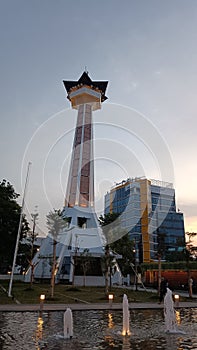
[176, 299]
[111, 298]
[135, 264]
[42, 299]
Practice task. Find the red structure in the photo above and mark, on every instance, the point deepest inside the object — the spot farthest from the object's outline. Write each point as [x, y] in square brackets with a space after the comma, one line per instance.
[176, 278]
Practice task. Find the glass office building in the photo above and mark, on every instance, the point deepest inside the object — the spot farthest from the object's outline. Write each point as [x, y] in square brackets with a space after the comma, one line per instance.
[147, 211]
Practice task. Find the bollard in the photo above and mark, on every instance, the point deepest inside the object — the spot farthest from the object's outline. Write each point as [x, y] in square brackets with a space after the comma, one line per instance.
[42, 299]
[176, 299]
[110, 297]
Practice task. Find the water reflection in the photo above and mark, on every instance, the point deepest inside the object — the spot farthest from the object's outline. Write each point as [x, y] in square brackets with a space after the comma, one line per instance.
[110, 320]
[178, 317]
[97, 330]
[126, 343]
[109, 342]
[39, 332]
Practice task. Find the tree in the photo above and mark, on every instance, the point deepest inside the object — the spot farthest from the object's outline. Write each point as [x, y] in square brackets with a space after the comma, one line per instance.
[10, 212]
[85, 263]
[192, 249]
[160, 254]
[32, 238]
[106, 222]
[107, 218]
[191, 235]
[55, 224]
[122, 245]
[107, 263]
[126, 248]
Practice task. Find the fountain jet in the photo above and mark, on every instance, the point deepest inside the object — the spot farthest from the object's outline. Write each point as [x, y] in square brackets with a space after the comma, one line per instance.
[68, 324]
[126, 318]
[169, 314]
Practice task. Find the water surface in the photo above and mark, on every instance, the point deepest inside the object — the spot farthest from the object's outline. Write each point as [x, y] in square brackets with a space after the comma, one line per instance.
[97, 330]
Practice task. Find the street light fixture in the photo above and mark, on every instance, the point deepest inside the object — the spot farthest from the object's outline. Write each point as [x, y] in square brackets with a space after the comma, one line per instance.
[176, 299]
[42, 299]
[135, 264]
[111, 298]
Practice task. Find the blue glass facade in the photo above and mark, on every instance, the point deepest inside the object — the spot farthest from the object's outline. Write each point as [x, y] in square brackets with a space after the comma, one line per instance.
[151, 213]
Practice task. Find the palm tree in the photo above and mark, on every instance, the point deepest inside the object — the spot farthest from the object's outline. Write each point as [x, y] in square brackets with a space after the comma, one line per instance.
[55, 224]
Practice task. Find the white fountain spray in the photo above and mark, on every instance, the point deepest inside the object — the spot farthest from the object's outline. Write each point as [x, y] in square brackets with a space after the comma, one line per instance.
[68, 324]
[126, 318]
[170, 314]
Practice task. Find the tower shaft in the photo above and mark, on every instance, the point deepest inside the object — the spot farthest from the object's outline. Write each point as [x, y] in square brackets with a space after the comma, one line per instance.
[80, 187]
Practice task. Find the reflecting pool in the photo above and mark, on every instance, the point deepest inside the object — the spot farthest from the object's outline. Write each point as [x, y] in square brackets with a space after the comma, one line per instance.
[97, 330]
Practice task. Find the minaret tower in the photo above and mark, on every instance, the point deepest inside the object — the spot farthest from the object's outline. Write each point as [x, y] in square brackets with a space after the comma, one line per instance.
[85, 96]
[82, 232]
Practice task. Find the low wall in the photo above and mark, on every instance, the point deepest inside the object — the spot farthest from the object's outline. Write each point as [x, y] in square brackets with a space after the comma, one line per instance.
[16, 277]
[98, 281]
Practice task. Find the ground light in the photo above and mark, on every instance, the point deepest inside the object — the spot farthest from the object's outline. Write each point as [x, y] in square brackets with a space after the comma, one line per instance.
[176, 299]
[111, 298]
[42, 299]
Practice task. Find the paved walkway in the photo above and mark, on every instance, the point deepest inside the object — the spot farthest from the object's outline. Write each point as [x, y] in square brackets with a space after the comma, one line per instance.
[91, 306]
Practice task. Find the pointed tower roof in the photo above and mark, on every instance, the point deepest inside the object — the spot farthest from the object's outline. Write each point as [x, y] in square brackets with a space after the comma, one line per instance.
[86, 80]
